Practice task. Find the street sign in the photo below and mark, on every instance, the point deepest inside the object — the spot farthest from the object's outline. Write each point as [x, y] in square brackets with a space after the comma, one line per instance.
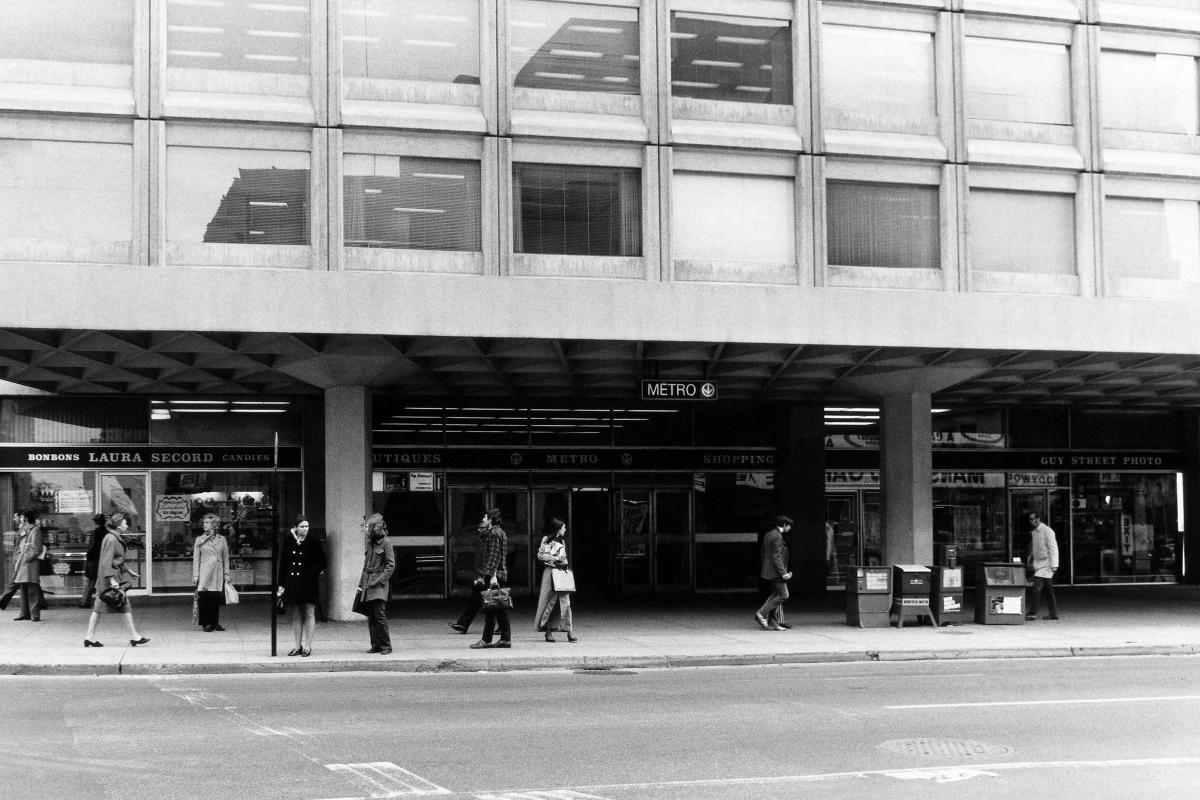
[679, 390]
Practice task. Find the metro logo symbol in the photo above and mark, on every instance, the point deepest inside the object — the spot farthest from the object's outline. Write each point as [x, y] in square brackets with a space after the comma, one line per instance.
[679, 390]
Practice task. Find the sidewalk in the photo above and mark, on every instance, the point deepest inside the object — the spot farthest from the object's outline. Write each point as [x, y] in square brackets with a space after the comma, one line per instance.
[657, 632]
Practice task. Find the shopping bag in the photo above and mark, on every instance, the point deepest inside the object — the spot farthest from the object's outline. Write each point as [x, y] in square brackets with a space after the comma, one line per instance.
[563, 580]
[231, 595]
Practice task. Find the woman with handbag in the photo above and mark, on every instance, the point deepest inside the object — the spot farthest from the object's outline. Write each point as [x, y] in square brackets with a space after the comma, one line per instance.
[29, 550]
[493, 571]
[301, 562]
[113, 578]
[210, 573]
[554, 605]
[379, 562]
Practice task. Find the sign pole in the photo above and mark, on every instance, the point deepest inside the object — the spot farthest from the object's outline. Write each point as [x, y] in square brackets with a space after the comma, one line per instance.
[274, 543]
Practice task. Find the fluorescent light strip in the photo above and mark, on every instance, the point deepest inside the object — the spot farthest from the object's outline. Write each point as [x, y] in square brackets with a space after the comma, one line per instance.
[681, 35]
[194, 29]
[740, 40]
[695, 84]
[402, 210]
[197, 402]
[614, 79]
[279, 7]
[258, 411]
[200, 3]
[268, 204]
[372, 191]
[594, 29]
[427, 43]
[754, 89]
[562, 76]
[265, 57]
[196, 53]
[277, 34]
[708, 62]
[442, 176]
[577, 53]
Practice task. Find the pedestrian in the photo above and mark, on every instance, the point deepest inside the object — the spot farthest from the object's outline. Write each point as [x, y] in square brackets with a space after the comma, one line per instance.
[91, 559]
[112, 571]
[1043, 563]
[28, 553]
[493, 573]
[774, 568]
[301, 562]
[379, 562]
[210, 573]
[554, 608]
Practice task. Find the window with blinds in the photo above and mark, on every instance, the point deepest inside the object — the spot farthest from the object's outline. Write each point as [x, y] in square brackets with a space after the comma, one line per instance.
[573, 210]
[883, 225]
[411, 203]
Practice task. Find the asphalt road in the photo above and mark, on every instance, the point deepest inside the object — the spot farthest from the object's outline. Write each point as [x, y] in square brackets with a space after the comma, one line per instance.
[1067, 728]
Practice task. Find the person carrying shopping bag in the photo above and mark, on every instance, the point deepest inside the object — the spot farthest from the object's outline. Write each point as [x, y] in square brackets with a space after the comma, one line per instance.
[210, 573]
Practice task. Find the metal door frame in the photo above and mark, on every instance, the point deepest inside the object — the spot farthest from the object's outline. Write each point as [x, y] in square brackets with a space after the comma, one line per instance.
[148, 537]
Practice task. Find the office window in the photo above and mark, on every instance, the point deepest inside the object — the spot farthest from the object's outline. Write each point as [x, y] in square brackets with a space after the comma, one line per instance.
[735, 59]
[239, 46]
[1152, 238]
[234, 196]
[883, 225]
[1152, 92]
[1012, 81]
[66, 191]
[1030, 232]
[574, 47]
[571, 210]
[67, 43]
[884, 73]
[754, 220]
[411, 203]
[412, 40]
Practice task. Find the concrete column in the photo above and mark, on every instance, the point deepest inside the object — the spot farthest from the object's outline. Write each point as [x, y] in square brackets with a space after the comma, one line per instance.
[347, 491]
[906, 476]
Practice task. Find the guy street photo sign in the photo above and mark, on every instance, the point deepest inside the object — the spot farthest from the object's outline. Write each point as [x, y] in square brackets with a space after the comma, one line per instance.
[679, 390]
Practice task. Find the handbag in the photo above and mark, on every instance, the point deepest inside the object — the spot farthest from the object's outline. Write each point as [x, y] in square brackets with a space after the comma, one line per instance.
[231, 595]
[496, 597]
[113, 597]
[280, 605]
[359, 606]
[563, 580]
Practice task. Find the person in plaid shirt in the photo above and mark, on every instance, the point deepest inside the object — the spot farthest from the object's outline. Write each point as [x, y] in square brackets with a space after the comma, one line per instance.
[493, 571]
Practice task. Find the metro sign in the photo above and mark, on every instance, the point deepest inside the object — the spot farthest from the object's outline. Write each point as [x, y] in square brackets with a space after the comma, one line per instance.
[679, 390]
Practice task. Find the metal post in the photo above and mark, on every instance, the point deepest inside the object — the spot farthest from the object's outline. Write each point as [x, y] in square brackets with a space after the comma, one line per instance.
[275, 498]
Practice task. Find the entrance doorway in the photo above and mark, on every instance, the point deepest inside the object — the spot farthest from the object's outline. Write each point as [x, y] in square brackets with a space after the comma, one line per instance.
[585, 509]
[654, 552]
[467, 507]
[1052, 506]
[128, 494]
[852, 533]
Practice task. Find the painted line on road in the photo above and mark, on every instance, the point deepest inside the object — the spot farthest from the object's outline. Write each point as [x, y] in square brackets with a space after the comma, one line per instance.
[552, 794]
[390, 779]
[1082, 701]
[939, 675]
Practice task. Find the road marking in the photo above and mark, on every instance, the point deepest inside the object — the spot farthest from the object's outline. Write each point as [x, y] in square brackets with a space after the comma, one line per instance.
[941, 675]
[1083, 701]
[557, 794]
[388, 780]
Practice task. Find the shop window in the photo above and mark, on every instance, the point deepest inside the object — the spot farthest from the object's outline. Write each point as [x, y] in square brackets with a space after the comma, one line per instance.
[755, 220]
[1154, 92]
[66, 49]
[1125, 528]
[732, 59]
[971, 520]
[72, 420]
[1013, 81]
[1026, 232]
[239, 47]
[1152, 238]
[236, 422]
[573, 210]
[411, 203]
[1037, 427]
[415, 515]
[890, 72]
[574, 47]
[411, 40]
[76, 192]
[64, 502]
[236, 196]
[883, 225]
[1147, 430]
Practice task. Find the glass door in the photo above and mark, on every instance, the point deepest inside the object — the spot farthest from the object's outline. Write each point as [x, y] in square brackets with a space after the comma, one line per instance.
[633, 559]
[585, 510]
[467, 506]
[672, 541]
[842, 545]
[128, 494]
[1052, 507]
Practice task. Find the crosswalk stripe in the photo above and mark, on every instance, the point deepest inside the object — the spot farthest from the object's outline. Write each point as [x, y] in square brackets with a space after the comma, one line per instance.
[386, 779]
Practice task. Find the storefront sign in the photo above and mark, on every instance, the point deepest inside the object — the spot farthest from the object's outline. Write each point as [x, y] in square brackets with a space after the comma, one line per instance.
[870, 441]
[1022, 460]
[679, 390]
[146, 457]
[1038, 479]
[606, 459]
[955, 480]
[172, 508]
[420, 482]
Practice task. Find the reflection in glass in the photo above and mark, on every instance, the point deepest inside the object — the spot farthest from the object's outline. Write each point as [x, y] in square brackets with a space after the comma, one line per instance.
[67, 42]
[237, 196]
[1015, 81]
[572, 47]
[1149, 92]
[755, 220]
[74, 191]
[883, 225]
[238, 45]
[412, 40]
[571, 210]
[734, 59]
[886, 74]
[64, 502]
[1152, 238]
[1030, 232]
[1125, 528]
[411, 203]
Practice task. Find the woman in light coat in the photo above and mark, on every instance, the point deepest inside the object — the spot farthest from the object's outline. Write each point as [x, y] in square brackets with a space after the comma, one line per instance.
[210, 573]
[28, 567]
[112, 571]
[379, 562]
[554, 608]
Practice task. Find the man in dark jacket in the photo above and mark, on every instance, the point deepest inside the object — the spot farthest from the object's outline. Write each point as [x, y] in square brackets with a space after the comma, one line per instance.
[775, 570]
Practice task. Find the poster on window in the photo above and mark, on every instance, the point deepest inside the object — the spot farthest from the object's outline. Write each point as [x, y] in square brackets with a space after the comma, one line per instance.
[172, 508]
[73, 501]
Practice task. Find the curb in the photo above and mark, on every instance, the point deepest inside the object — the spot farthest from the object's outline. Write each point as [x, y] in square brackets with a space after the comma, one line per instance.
[586, 664]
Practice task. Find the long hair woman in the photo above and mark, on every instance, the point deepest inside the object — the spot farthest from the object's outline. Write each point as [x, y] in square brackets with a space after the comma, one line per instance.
[554, 608]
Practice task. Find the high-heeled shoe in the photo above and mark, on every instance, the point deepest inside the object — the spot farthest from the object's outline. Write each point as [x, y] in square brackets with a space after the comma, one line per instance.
[90, 643]
[571, 638]
[136, 642]
[549, 636]
[295, 651]
[305, 653]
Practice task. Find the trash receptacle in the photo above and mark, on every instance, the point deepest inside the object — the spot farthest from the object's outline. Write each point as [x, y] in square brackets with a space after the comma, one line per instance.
[946, 595]
[1000, 594]
[910, 593]
[868, 596]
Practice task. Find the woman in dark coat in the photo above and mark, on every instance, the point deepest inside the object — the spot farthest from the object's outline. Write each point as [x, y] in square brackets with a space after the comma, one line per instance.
[301, 562]
[91, 560]
[111, 570]
[379, 562]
